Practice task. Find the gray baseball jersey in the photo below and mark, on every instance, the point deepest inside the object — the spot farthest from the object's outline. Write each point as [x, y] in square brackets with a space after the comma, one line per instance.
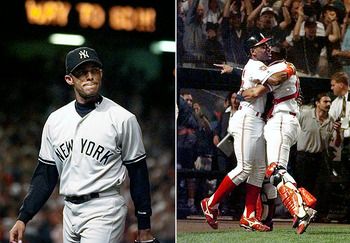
[91, 160]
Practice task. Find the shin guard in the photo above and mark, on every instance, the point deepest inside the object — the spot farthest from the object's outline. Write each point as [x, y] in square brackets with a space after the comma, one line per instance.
[308, 198]
[289, 198]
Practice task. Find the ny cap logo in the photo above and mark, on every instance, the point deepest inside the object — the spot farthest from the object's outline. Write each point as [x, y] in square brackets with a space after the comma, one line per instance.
[83, 54]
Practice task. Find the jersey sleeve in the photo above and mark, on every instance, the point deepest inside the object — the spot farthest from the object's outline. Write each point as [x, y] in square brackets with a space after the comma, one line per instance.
[132, 145]
[278, 67]
[253, 74]
[46, 153]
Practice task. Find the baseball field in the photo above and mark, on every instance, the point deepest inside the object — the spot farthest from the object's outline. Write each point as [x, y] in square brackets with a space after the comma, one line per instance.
[197, 230]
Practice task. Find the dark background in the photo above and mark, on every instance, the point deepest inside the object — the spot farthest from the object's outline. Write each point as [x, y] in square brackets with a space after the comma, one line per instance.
[32, 85]
[30, 64]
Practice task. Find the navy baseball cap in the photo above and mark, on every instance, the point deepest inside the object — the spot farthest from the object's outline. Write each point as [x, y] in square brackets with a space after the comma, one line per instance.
[81, 55]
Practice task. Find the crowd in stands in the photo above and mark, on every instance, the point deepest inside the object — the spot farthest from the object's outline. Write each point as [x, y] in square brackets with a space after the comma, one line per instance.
[312, 34]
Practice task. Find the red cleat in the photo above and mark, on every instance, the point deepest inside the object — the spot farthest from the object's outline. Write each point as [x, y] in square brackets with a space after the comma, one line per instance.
[252, 224]
[211, 215]
[304, 222]
[295, 222]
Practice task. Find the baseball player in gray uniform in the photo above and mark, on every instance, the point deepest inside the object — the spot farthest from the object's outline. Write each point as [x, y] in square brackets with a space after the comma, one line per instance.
[90, 144]
[280, 132]
[246, 126]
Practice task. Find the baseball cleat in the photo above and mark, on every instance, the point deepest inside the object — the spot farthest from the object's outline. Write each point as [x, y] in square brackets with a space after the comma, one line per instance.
[268, 223]
[211, 215]
[252, 224]
[304, 222]
[295, 222]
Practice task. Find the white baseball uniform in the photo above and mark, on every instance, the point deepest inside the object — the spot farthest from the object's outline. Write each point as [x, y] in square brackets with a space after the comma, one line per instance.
[281, 129]
[89, 153]
[246, 125]
[280, 132]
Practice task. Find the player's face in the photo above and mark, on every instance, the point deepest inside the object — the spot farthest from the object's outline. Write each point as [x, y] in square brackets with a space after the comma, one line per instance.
[262, 52]
[267, 20]
[324, 104]
[188, 99]
[337, 88]
[234, 101]
[86, 80]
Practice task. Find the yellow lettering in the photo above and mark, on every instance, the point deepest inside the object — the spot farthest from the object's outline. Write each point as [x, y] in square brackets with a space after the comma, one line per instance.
[119, 18]
[47, 13]
[128, 18]
[91, 15]
[146, 21]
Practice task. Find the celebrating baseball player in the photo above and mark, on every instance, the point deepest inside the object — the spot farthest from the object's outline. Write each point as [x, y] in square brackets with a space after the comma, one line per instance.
[89, 144]
[246, 126]
[280, 133]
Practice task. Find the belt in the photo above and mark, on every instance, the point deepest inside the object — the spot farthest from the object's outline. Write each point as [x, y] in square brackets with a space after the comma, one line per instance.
[250, 111]
[84, 198]
[81, 199]
[287, 112]
[185, 131]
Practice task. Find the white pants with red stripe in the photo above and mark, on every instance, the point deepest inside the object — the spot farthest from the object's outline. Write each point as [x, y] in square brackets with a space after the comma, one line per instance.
[280, 132]
[249, 144]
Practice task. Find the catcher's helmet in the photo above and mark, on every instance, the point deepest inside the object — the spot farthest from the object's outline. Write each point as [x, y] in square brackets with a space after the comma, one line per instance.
[254, 41]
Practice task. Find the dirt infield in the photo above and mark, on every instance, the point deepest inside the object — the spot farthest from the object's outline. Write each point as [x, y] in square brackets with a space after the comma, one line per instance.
[198, 224]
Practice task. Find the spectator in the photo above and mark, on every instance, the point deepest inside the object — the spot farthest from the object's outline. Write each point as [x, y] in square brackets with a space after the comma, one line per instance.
[344, 52]
[187, 125]
[180, 30]
[214, 14]
[340, 111]
[263, 19]
[205, 138]
[213, 50]
[205, 154]
[234, 33]
[306, 50]
[194, 35]
[309, 11]
[311, 165]
[225, 164]
[292, 8]
[330, 20]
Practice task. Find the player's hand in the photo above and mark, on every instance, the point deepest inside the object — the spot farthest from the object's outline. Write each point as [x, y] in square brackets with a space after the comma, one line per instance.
[216, 140]
[144, 236]
[336, 126]
[224, 68]
[17, 232]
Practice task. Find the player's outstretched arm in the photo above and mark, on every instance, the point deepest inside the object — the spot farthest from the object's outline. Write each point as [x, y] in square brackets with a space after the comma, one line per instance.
[224, 68]
[17, 232]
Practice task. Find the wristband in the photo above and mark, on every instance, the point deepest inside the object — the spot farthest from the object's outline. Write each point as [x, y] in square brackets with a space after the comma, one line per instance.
[147, 241]
[290, 70]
